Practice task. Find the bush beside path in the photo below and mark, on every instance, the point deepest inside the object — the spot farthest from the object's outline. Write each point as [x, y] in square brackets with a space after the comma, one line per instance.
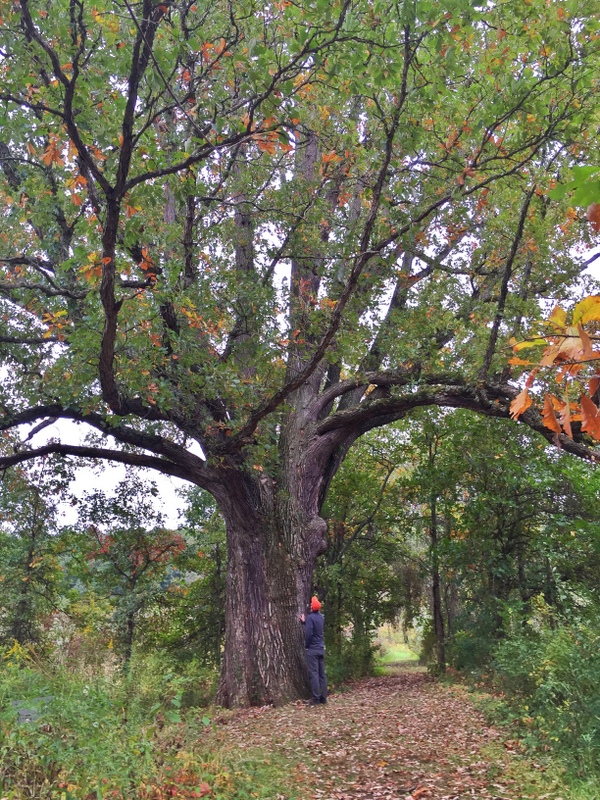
[401, 736]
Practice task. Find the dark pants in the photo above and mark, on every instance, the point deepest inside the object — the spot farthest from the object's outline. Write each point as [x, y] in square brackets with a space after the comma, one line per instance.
[315, 661]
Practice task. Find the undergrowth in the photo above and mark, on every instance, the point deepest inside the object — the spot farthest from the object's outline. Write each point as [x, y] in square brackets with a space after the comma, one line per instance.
[545, 681]
[556, 774]
[110, 737]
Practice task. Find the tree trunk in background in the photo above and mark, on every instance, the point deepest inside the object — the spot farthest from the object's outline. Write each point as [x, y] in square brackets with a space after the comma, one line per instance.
[128, 637]
[438, 616]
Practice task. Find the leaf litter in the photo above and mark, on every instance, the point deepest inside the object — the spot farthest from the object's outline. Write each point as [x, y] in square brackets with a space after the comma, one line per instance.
[398, 737]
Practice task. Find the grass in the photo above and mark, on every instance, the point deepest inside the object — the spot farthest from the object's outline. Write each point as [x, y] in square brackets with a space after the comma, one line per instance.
[394, 649]
[397, 653]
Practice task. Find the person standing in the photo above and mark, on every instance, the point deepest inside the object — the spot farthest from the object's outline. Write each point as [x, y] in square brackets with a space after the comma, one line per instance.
[314, 642]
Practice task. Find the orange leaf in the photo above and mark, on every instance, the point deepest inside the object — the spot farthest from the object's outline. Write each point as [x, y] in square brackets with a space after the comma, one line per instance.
[593, 216]
[147, 266]
[422, 790]
[572, 345]
[519, 362]
[593, 386]
[97, 153]
[565, 418]
[587, 354]
[590, 417]
[520, 404]
[266, 146]
[52, 153]
[550, 355]
[530, 378]
[557, 403]
[549, 417]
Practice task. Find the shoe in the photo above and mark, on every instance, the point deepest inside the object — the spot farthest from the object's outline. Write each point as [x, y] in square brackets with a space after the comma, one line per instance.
[323, 701]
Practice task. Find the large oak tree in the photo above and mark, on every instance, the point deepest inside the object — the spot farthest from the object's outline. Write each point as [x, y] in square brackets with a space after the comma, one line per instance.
[268, 227]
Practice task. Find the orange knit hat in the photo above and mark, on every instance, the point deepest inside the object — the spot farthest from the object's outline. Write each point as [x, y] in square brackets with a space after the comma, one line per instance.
[314, 603]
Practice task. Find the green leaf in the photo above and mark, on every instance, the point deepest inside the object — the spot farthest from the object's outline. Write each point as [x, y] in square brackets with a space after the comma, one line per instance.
[586, 194]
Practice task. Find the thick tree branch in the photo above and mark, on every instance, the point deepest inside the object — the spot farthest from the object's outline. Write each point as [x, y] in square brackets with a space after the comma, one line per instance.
[122, 433]
[31, 340]
[168, 456]
[361, 261]
[161, 465]
[9, 288]
[400, 377]
[491, 347]
[491, 400]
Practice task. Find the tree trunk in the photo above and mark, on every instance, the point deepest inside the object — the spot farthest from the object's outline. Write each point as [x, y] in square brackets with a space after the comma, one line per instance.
[438, 616]
[129, 635]
[272, 549]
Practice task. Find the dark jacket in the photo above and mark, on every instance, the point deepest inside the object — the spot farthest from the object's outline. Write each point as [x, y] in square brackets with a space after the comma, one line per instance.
[313, 633]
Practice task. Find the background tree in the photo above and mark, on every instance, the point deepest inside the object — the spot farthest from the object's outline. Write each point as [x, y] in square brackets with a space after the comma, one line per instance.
[30, 572]
[505, 510]
[189, 619]
[267, 230]
[511, 523]
[130, 553]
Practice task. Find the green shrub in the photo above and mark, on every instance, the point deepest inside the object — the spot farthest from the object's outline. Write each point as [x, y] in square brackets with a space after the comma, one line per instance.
[159, 675]
[470, 650]
[349, 660]
[83, 736]
[554, 674]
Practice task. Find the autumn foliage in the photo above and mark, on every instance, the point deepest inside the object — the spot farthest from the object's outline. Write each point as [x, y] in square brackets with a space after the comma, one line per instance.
[569, 350]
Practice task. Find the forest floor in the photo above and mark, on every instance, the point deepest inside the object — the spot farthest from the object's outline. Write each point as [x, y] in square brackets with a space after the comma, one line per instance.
[402, 736]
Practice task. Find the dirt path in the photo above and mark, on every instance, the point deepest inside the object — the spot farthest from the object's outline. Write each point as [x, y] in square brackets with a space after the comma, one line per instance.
[400, 737]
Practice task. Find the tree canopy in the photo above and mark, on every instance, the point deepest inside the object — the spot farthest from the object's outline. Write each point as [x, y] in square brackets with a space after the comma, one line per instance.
[267, 228]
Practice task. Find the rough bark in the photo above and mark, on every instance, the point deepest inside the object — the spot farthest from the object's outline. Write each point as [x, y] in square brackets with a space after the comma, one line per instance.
[263, 658]
[272, 547]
